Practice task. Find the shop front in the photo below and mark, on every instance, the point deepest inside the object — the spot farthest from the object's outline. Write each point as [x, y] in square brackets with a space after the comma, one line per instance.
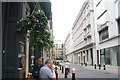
[109, 56]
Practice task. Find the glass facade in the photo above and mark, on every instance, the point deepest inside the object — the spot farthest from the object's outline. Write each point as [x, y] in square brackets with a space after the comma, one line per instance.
[109, 56]
[102, 56]
[118, 56]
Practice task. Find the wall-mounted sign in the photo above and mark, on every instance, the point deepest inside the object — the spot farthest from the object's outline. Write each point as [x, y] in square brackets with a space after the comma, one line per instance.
[102, 27]
[83, 54]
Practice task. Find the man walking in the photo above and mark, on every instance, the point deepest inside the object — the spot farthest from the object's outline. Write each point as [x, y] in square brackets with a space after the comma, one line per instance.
[46, 72]
[37, 68]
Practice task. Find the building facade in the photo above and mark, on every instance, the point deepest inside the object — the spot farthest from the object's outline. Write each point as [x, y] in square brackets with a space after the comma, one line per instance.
[68, 47]
[96, 34]
[108, 32]
[58, 46]
[18, 56]
[117, 10]
[84, 35]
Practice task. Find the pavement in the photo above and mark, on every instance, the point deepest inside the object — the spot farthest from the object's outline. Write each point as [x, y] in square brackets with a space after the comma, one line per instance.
[89, 73]
[111, 70]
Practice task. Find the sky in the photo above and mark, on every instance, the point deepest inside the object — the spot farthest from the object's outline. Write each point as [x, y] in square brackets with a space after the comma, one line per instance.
[64, 13]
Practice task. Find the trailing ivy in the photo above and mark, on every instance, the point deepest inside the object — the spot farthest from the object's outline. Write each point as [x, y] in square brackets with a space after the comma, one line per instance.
[36, 23]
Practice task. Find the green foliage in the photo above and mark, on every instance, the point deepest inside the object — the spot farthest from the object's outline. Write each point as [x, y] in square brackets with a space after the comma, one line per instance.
[36, 23]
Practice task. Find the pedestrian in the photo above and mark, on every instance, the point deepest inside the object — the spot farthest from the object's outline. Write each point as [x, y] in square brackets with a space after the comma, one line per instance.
[36, 68]
[46, 72]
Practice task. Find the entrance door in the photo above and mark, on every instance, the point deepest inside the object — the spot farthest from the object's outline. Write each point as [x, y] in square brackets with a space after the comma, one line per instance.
[10, 17]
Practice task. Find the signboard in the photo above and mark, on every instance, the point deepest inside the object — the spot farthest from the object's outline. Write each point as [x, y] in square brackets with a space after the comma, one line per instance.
[102, 27]
[53, 54]
[83, 54]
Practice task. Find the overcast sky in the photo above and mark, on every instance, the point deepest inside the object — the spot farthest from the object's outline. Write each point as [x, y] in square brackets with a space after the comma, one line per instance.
[64, 15]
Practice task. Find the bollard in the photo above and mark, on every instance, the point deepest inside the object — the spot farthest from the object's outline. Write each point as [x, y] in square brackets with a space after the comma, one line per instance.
[65, 72]
[95, 66]
[62, 69]
[81, 64]
[56, 73]
[104, 67]
[73, 73]
[99, 66]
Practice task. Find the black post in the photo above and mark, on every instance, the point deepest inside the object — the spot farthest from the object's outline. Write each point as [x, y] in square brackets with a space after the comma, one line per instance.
[56, 73]
[62, 69]
[99, 66]
[65, 72]
[82, 64]
[95, 66]
[85, 64]
[73, 74]
[104, 67]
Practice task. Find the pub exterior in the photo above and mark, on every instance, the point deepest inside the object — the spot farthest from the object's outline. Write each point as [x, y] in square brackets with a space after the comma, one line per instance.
[14, 46]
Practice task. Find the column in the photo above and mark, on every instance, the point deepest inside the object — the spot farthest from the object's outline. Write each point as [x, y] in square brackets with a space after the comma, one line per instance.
[85, 56]
[89, 59]
[94, 56]
[82, 60]
[27, 54]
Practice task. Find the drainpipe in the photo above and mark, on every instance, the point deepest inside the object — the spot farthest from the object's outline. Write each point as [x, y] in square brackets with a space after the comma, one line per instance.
[1, 40]
[27, 54]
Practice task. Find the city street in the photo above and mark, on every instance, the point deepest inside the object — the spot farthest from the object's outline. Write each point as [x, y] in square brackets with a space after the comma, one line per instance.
[60, 39]
[83, 72]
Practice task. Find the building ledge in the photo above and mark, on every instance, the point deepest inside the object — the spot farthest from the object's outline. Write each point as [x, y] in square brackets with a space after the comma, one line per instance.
[85, 46]
[109, 39]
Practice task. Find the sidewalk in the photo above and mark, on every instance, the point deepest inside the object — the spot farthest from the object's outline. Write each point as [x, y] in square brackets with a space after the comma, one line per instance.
[109, 69]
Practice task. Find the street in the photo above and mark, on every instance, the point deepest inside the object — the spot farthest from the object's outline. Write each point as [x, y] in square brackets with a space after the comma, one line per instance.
[84, 73]
[74, 39]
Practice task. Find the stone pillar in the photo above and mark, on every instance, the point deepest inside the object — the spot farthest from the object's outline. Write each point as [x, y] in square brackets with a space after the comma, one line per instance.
[94, 55]
[82, 58]
[85, 56]
[89, 59]
[27, 54]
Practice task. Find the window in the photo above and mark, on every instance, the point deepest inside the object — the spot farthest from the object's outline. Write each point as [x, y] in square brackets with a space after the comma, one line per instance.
[107, 56]
[98, 3]
[118, 58]
[102, 56]
[102, 14]
[103, 34]
[119, 25]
